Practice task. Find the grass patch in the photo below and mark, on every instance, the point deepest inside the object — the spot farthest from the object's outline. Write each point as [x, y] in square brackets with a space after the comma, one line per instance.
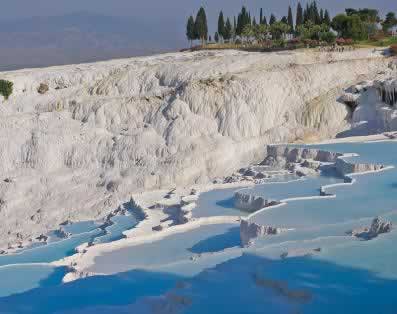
[6, 88]
[377, 43]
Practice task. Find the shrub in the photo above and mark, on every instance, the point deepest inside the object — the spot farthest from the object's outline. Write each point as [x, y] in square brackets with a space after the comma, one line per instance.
[6, 88]
[343, 41]
[328, 37]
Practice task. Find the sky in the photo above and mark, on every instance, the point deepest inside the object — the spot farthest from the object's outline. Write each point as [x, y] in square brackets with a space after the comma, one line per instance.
[172, 13]
[166, 9]
[28, 36]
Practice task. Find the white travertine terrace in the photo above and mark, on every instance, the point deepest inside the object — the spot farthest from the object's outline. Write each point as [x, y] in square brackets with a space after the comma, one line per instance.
[106, 130]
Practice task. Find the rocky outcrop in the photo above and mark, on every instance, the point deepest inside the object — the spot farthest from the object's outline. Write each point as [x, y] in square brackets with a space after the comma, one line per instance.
[137, 210]
[297, 155]
[43, 88]
[251, 203]
[387, 90]
[344, 167]
[378, 226]
[249, 231]
[60, 233]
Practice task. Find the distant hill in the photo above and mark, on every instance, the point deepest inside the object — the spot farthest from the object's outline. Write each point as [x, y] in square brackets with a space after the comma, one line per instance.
[79, 37]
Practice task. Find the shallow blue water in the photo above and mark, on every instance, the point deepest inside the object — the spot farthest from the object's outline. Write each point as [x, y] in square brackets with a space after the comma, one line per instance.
[171, 249]
[220, 202]
[346, 276]
[81, 227]
[29, 267]
[299, 188]
[51, 252]
[115, 231]
[20, 278]
[217, 203]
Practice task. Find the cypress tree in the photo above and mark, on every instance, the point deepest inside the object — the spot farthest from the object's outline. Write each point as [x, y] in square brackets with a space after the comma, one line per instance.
[254, 21]
[201, 26]
[290, 19]
[238, 27]
[327, 18]
[272, 19]
[284, 20]
[299, 15]
[221, 25]
[321, 16]
[306, 14]
[190, 30]
[243, 19]
[228, 30]
[264, 21]
[316, 15]
[234, 28]
[261, 17]
[311, 14]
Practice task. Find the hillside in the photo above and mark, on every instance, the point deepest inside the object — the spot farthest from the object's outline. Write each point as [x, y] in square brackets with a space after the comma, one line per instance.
[106, 130]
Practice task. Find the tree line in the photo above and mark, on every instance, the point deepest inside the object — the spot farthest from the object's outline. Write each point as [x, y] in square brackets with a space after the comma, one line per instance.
[309, 22]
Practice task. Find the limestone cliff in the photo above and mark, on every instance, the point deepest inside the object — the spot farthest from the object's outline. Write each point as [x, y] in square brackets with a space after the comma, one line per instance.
[77, 140]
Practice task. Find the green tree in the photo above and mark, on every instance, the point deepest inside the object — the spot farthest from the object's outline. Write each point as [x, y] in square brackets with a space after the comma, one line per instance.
[243, 19]
[366, 14]
[248, 32]
[309, 30]
[299, 15]
[278, 29]
[315, 14]
[264, 21]
[6, 88]
[327, 18]
[260, 32]
[228, 30]
[261, 16]
[351, 11]
[328, 37]
[340, 24]
[273, 19]
[216, 37]
[290, 19]
[389, 21]
[221, 25]
[321, 16]
[350, 26]
[234, 29]
[190, 30]
[357, 29]
[306, 13]
[201, 26]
